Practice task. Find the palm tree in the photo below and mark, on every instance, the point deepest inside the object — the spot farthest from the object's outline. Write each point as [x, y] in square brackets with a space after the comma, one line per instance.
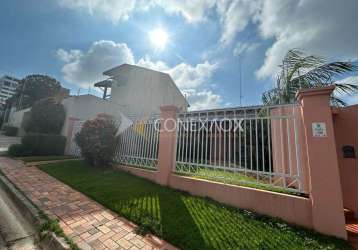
[299, 70]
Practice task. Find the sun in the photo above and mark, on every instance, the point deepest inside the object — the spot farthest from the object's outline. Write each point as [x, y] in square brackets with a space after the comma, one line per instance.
[159, 38]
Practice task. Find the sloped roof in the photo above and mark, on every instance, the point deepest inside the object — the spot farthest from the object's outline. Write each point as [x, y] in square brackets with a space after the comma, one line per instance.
[113, 71]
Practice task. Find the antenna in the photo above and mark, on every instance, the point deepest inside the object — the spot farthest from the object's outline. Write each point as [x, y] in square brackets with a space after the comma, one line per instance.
[240, 80]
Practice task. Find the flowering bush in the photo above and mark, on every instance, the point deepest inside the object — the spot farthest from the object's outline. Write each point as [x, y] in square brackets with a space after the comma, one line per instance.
[98, 141]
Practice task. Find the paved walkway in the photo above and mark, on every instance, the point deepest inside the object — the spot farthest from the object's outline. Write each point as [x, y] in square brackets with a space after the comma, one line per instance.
[85, 221]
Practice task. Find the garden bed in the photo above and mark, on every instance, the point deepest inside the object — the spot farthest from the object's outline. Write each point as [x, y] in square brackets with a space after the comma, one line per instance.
[185, 221]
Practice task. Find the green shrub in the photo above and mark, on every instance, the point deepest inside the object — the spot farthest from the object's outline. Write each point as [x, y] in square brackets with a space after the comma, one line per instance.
[44, 144]
[10, 130]
[98, 141]
[46, 116]
[16, 150]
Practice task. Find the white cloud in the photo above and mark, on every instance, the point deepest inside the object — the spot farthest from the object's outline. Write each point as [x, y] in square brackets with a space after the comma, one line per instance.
[320, 27]
[83, 68]
[241, 48]
[185, 75]
[204, 99]
[68, 56]
[188, 76]
[235, 16]
[120, 10]
[192, 11]
[146, 62]
[114, 10]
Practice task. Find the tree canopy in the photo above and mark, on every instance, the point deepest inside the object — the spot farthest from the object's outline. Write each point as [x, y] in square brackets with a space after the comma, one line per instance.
[34, 88]
[299, 70]
[46, 116]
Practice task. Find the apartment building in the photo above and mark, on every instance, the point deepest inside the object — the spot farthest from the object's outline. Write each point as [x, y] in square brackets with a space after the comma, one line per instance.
[8, 85]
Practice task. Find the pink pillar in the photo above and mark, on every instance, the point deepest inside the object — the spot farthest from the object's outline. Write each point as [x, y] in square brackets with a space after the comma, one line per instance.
[167, 140]
[324, 181]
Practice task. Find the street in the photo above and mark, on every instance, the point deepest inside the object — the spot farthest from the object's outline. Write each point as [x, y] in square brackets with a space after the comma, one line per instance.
[15, 231]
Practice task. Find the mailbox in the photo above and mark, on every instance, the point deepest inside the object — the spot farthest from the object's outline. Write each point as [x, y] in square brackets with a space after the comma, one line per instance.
[348, 151]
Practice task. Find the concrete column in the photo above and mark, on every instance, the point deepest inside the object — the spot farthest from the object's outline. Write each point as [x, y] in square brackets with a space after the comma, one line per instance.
[324, 181]
[167, 140]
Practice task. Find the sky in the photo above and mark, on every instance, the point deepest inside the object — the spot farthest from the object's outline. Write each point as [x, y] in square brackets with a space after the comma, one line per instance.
[211, 48]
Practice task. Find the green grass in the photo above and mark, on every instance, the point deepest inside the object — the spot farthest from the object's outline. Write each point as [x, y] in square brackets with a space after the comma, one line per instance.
[186, 221]
[45, 158]
[237, 179]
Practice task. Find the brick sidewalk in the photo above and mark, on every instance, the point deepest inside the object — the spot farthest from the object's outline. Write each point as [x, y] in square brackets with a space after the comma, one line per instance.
[85, 221]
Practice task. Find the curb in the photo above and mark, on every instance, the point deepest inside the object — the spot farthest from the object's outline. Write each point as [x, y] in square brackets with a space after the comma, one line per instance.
[38, 163]
[32, 214]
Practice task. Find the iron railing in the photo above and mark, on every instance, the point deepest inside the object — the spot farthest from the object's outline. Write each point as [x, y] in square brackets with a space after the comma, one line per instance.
[258, 146]
[138, 144]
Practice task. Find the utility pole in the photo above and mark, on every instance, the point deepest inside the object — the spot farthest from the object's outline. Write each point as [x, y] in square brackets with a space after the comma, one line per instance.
[21, 96]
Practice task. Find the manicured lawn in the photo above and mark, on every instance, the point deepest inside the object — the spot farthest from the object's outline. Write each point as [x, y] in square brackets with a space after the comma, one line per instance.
[236, 178]
[45, 158]
[186, 221]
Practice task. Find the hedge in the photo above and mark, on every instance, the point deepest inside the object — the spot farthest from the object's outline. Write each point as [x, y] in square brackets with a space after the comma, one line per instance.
[10, 130]
[17, 150]
[44, 144]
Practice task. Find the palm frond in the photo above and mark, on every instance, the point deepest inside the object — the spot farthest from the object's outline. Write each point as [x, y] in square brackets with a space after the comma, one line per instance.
[299, 70]
[337, 101]
[271, 97]
[324, 74]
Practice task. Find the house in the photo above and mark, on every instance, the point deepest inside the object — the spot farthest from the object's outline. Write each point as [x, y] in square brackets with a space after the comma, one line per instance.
[84, 107]
[135, 92]
[140, 91]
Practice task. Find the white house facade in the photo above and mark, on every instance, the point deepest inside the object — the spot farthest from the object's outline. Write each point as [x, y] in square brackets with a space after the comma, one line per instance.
[141, 92]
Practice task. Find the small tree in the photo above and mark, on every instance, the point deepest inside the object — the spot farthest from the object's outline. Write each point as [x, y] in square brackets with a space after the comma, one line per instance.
[98, 141]
[47, 117]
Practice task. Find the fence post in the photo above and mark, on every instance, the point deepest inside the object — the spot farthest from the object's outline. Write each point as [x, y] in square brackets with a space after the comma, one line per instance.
[167, 140]
[323, 173]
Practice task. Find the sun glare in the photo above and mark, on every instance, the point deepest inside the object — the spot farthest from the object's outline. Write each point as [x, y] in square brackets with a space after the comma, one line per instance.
[158, 38]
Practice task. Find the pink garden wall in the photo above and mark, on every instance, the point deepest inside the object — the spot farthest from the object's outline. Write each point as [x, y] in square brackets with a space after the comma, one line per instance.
[346, 132]
[325, 173]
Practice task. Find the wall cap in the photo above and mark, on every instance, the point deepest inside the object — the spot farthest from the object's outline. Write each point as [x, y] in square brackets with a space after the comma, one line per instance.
[315, 91]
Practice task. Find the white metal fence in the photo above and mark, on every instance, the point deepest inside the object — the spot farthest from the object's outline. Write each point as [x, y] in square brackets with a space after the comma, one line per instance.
[138, 144]
[254, 145]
